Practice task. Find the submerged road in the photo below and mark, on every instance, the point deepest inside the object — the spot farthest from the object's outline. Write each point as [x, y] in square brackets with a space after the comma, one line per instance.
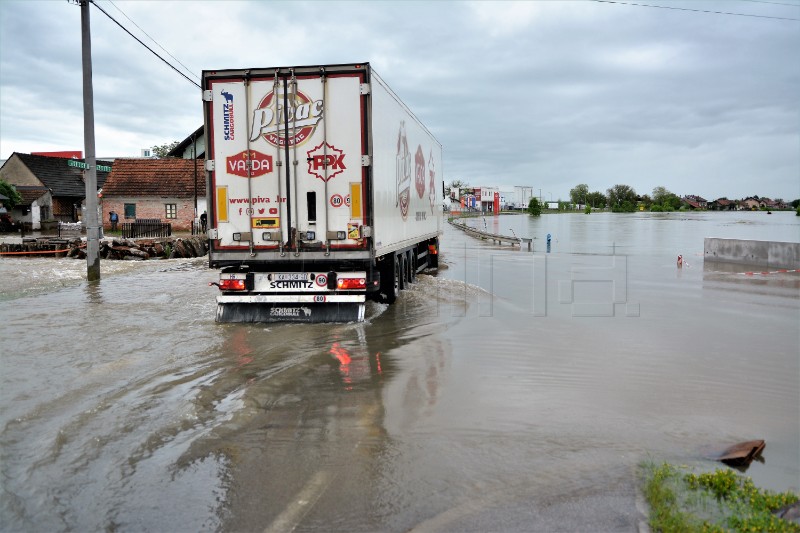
[503, 393]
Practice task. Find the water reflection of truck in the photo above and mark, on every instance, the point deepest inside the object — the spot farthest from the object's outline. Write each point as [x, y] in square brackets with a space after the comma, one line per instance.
[324, 192]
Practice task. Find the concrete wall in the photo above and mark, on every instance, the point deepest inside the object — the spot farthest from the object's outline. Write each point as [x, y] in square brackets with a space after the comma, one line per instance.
[767, 254]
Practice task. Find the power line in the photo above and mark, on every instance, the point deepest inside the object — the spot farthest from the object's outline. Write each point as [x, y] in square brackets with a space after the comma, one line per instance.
[156, 42]
[774, 3]
[140, 42]
[695, 10]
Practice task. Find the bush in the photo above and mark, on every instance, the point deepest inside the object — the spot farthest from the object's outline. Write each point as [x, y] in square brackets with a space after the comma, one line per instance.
[534, 207]
[587, 209]
[712, 501]
[655, 208]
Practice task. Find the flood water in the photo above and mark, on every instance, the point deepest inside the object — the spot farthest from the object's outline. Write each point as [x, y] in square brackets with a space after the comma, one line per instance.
[511, 391]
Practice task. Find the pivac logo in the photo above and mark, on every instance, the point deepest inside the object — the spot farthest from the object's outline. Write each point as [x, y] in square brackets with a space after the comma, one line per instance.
[271, 116]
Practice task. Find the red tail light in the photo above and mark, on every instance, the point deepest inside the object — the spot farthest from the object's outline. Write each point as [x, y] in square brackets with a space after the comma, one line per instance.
[351, 283]
[432, 249]
[231, 284]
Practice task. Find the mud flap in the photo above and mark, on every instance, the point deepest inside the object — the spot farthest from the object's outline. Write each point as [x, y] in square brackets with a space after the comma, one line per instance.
[295, 312]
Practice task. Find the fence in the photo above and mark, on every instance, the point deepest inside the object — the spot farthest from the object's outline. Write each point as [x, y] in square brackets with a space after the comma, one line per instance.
[70, 229]
[146, 227]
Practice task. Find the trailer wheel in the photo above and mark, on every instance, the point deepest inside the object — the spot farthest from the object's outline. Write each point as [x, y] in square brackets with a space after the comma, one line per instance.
[389, 287]
[401, 269]
[411, 267]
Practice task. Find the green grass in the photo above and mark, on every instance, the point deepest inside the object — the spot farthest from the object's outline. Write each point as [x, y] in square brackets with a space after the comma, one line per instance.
[682, 501]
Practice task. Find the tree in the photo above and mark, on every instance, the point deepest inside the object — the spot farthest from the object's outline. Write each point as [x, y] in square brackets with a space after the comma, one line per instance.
[596, 199]
[160, 152]
[795, 203]
[6, 189]
[534, 207]
[579, 193]
[660, 194]
[620, 194]
[455, 185]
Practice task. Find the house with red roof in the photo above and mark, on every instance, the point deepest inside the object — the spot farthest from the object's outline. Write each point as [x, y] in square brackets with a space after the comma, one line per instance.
[52, 188]
[722, 204]
[695, 202]
[171, 190]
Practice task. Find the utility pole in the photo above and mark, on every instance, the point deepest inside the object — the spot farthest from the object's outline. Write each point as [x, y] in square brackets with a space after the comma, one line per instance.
[90, 174]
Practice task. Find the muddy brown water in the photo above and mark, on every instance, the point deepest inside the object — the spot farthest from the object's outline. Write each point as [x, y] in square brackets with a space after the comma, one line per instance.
[510, 391]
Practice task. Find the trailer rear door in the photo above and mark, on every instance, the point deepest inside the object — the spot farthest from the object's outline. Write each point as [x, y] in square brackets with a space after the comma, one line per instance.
[287, 150]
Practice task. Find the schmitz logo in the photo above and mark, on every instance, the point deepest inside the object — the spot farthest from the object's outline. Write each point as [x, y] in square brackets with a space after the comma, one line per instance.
[403, 171]
[227, 116]
[270, 118]
[325, 156]
[258, 163]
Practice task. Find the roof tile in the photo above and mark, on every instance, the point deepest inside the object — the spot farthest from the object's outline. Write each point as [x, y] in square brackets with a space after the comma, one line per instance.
[156, 177]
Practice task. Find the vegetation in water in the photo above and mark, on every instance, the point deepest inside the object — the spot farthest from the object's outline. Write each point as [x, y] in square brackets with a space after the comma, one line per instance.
[534, 207]
[716, 501]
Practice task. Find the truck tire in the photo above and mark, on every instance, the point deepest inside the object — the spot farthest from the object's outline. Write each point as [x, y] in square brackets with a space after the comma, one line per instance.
[389, 289]
[402, 271]
[411, 266]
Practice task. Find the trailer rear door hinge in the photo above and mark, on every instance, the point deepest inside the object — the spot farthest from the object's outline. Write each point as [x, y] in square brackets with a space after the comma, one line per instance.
[210, 165]
[363, 88]
[213, 234]
[365, 161]
[208, 96]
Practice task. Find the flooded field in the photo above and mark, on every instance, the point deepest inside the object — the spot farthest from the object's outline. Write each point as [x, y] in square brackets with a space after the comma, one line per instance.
[510, 391]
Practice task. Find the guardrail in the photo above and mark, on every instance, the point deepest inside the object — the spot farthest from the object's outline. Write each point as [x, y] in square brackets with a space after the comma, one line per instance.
[146, 227]
[495, 238]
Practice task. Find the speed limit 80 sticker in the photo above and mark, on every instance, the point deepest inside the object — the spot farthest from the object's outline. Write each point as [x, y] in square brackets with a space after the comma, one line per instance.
[337, 200]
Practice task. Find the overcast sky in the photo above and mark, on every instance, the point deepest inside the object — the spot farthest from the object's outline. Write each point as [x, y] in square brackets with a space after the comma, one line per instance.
[546, 94]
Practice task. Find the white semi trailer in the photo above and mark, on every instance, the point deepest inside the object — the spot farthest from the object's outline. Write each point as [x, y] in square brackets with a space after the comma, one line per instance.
[324, 191]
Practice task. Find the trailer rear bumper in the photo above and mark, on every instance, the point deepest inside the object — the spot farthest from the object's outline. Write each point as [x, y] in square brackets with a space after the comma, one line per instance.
[290, 298]
[237, 312]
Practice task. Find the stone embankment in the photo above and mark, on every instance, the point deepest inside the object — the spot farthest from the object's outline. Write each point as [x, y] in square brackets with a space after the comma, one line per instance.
[119, 249]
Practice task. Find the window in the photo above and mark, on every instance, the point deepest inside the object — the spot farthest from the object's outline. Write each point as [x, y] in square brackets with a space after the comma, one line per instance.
[172, 210]
[130, 210]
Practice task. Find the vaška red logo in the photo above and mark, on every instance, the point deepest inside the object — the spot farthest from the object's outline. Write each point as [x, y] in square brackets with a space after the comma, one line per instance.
[258, 163]
[270, 117]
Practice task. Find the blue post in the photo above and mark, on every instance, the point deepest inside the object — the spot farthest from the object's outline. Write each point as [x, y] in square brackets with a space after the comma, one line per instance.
[548, 242]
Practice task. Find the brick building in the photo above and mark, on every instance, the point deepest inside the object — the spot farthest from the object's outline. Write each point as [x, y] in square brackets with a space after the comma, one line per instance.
[171, 190]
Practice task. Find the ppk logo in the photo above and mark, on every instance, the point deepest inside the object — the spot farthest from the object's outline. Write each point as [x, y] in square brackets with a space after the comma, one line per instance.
[257, 163]
[302, 115]
[227, 116]
[325, 161]
[419, 172]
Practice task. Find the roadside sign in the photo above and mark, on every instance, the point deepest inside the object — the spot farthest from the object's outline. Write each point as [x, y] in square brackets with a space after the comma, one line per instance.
[81, 164]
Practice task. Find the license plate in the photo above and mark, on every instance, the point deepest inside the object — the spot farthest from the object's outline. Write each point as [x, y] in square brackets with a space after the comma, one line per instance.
[290, 276]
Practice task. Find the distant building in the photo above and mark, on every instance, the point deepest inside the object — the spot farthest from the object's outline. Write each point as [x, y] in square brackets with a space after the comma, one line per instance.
[166, 189]
[522, 196]
[722, 204]
[192, 147]
[695, 202]
[50, 187]
[750, 203]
